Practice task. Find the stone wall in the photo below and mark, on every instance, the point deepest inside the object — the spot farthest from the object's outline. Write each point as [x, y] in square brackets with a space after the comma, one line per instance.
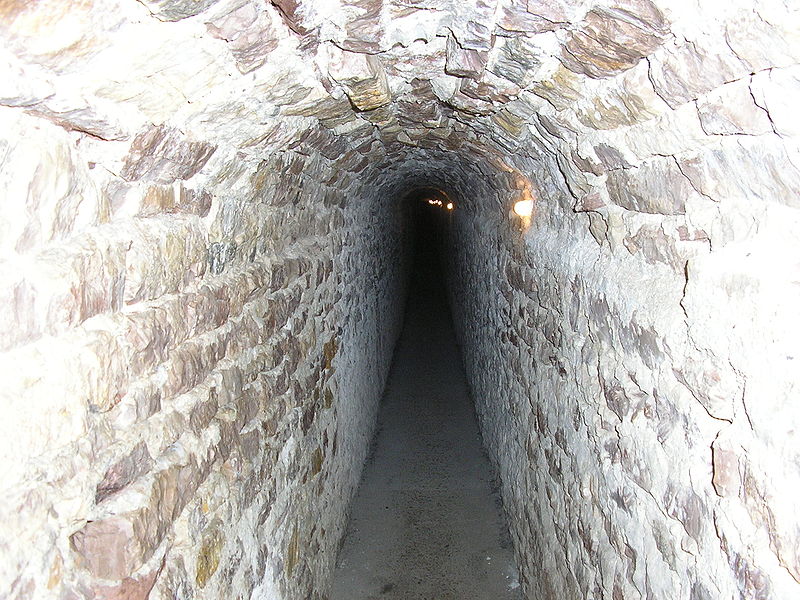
[198, 313]
[191, 387]
[203, 266]
[631, 346]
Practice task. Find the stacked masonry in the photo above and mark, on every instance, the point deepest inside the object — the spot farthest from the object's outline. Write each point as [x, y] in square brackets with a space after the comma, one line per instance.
[202, 275]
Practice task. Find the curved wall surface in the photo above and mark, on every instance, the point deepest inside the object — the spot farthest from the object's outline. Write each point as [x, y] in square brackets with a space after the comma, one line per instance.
[204, 256]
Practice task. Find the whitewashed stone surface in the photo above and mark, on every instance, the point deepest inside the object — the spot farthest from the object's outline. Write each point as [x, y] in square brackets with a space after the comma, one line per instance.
[203, 267]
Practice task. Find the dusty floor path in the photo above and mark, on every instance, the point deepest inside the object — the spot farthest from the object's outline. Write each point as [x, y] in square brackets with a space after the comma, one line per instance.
[426, 523]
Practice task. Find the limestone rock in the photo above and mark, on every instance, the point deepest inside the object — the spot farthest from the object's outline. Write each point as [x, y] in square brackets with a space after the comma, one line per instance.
[531, 16]
[771, 175]
[106, 548]
[294, 14]
[79, 115]
[746, 30]
[125, 470]
[137, 587]
[561, 89]
[362, 27]
[22, 85]
[559, 11]
[209, 555]
[712, 383]
[515, 59]
[203, 246]
[632, 100]
[727, 479]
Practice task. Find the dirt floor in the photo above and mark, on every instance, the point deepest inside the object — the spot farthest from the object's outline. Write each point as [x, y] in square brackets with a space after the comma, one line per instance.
[427, 522]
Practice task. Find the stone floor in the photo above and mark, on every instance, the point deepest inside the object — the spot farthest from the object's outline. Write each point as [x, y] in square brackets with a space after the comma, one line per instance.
[427, 522]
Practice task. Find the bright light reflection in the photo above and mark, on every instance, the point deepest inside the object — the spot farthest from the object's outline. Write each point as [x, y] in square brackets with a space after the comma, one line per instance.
[440, 203]
[524, 208]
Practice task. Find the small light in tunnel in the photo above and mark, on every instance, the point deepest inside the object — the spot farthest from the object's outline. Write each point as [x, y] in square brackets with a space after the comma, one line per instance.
[524, 208]
[434, 202]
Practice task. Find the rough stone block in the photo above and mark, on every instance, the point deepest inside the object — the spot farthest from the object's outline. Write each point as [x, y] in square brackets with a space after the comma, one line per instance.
[683, 73]
[753, 169]
[109, 548]
[730, 109]
[362, 28]
[163, 155]
[249, 35]
[611, 40]
[778, 91]
[515, 59]
[135, 463]
[208, 557]
[295, 14]
[363, 78]
[657, 187]
[464, 62]
[727, 480]
[175, 10]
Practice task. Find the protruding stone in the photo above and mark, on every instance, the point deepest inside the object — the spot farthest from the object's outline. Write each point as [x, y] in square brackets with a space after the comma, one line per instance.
[464, 62]
[108, 548]
[209, 555]
[590, 202]
[292, 552]
[613, 39]
[293, 14]
[529, 16]
[361, 31]
[137, 587]
[126, 469]
[515, 59]
[362, 76]
[713, 384]
[561, 89]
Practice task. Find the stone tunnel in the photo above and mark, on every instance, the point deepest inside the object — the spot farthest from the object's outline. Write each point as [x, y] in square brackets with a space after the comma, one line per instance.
[206, 231]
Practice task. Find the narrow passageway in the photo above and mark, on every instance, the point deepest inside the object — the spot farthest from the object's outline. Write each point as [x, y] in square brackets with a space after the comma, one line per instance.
[427, 521]
[206, 256]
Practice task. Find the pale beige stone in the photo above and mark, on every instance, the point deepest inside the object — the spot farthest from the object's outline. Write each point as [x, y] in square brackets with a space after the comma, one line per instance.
[202, 252]
[731, 109]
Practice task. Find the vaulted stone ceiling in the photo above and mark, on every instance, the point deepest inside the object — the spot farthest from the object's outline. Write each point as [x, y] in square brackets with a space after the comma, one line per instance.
[499, 82]
[202, 245]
